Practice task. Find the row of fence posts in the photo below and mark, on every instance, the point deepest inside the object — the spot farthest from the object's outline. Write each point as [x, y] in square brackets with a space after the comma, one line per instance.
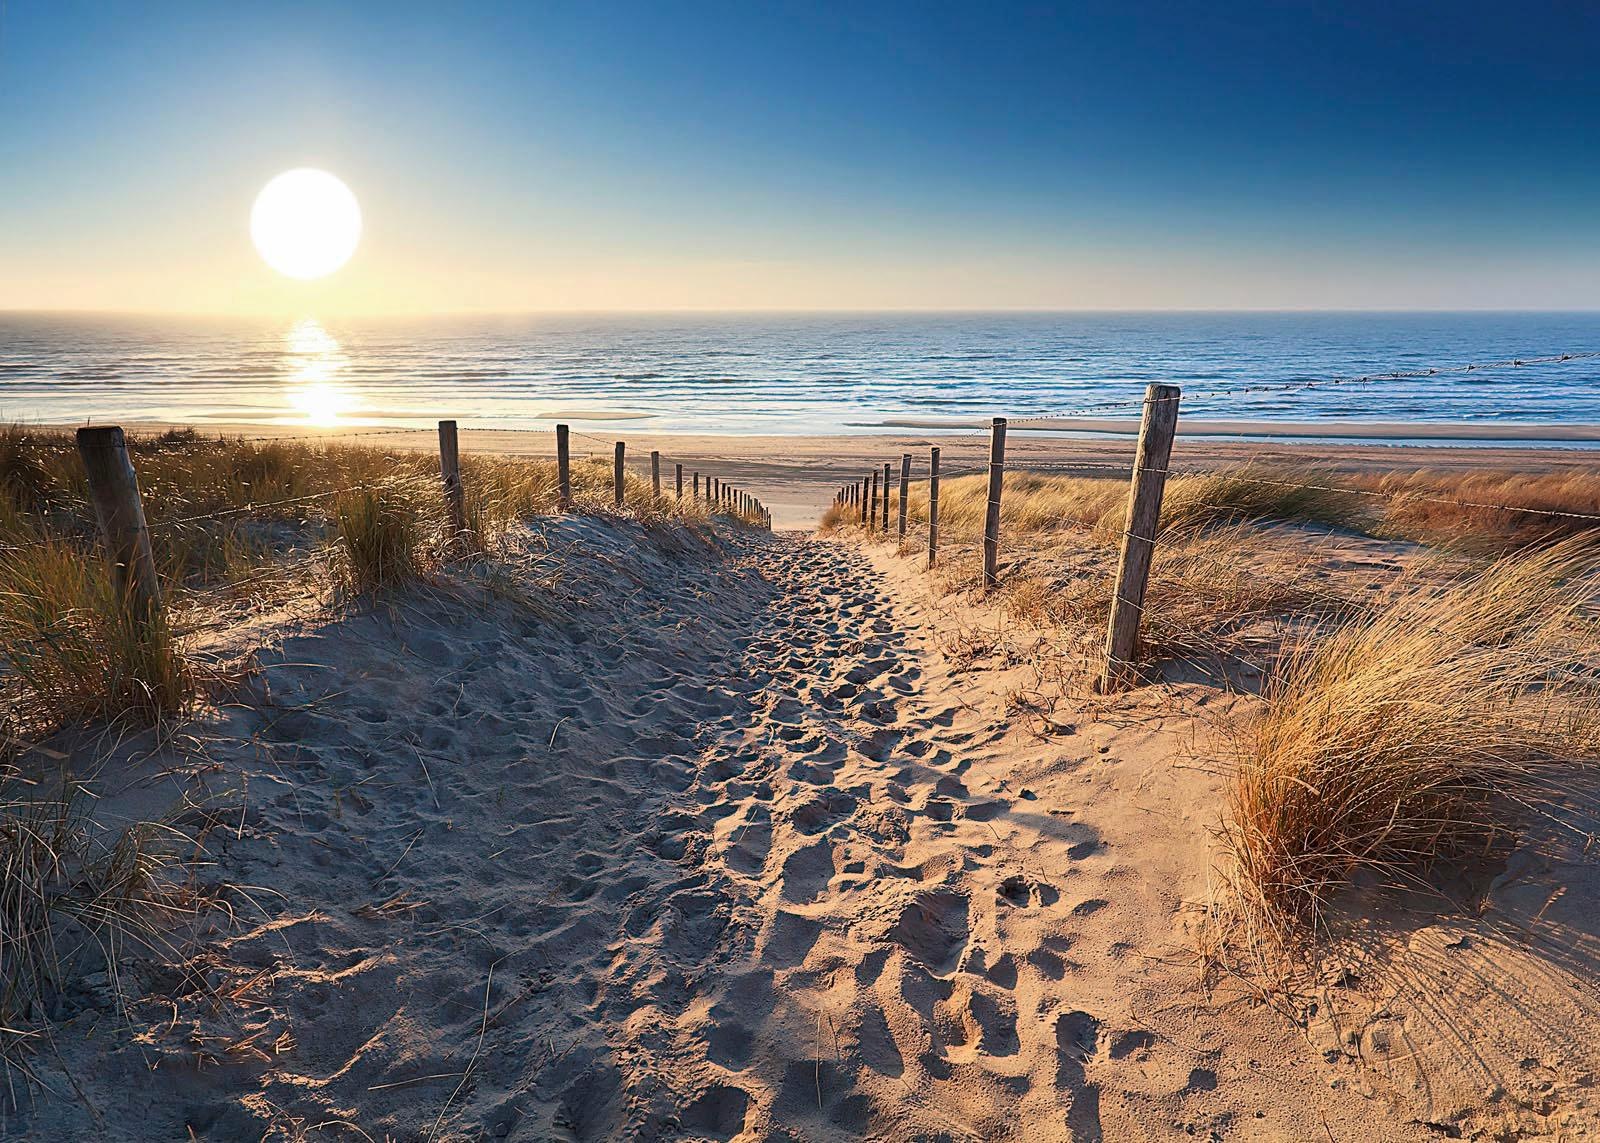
[1157, 427]
[119, 509]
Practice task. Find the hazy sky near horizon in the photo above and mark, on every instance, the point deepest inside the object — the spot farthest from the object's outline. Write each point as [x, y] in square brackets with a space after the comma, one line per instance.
[643, 155]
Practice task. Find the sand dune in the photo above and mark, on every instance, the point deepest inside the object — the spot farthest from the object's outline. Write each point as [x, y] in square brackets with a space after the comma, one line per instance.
[649, 838]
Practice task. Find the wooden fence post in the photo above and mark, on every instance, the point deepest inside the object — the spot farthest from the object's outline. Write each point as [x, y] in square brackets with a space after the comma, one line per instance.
[886, 497]
[872, 504]
[863, 502]
[679, 475]
[655, 473]
[616, 470]
[933, 506]
[455, 500]
[1156, 430]
[905, 489]
[991, 516]
[114, 489]
[563, 467]
[697, 486]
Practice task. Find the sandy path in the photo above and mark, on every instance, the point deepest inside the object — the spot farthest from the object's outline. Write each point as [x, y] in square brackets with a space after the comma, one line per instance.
[717, 847]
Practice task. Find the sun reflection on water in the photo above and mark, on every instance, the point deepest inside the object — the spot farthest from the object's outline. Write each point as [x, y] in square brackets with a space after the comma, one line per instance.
[313, 361]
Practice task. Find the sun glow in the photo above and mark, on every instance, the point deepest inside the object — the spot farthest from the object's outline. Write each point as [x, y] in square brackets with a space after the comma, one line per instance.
[313, 362]
[305, 223]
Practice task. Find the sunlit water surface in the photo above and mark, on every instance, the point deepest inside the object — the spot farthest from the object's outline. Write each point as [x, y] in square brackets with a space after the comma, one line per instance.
[781, 373]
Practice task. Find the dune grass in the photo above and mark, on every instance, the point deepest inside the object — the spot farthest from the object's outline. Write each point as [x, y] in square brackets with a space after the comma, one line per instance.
[1059, 535]
[1209, 582]
[226, 513]
[73, 652]
[67, 883]
[390, 533]
[1415, 734]
[1489, 510]
[1485, 511]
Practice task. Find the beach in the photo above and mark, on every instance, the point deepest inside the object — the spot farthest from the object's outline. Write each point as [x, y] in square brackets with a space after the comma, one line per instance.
[699, 831]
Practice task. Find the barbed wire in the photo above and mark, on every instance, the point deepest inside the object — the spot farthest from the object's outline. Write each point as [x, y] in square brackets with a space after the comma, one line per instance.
[244, 509]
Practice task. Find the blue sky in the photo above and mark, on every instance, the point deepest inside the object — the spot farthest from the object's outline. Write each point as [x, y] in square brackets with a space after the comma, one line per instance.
[653, 155]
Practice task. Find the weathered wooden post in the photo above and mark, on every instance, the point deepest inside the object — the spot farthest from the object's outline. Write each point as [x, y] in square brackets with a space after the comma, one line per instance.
[655, 473]
[991, 516]
[863, 502]
[114, 489]
[885, 497]
[933, 506]
[1156, 430]
[697, 486]
[872, 505]
[563, 467]
[679, 476]
[455, 500]
[616, 470]
[905, 489]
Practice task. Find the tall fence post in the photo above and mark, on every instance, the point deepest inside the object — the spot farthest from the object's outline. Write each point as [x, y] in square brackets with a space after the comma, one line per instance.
[872, 505]
[114, 489]
[679, 476]
[991, 515]
[862, 504]
[455, 500]
[933, 506]
[655, 473]
[886, 497]
[1156, 430]
[564, 466]
[616, 470]
[905, 489]
[697, 486]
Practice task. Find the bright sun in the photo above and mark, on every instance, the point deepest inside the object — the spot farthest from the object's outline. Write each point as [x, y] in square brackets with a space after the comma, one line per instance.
[305, 223]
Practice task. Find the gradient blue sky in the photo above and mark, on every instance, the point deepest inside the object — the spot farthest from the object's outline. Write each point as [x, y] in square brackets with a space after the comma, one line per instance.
[748, 155]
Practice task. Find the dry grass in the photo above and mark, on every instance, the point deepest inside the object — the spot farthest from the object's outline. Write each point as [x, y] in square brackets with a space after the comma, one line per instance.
[1213, 576]
[1463, 509]
[390, 534]
[1202, 604]
[68, 887]
[1489, 510]
[1419, 733]
[230, 514]
[73, 652]
[1058, 544]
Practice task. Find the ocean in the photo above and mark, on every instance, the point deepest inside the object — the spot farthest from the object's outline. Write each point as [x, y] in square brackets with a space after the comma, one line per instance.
[789, 373]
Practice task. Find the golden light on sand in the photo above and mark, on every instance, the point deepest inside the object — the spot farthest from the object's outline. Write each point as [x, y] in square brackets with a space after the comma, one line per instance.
[305, 223]
[314, 360]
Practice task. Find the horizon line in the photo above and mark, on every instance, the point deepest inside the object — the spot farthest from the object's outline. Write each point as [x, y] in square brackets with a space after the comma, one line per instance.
[42, 311]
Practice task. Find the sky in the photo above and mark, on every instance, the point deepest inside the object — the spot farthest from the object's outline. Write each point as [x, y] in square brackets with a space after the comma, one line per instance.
[747, 155]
